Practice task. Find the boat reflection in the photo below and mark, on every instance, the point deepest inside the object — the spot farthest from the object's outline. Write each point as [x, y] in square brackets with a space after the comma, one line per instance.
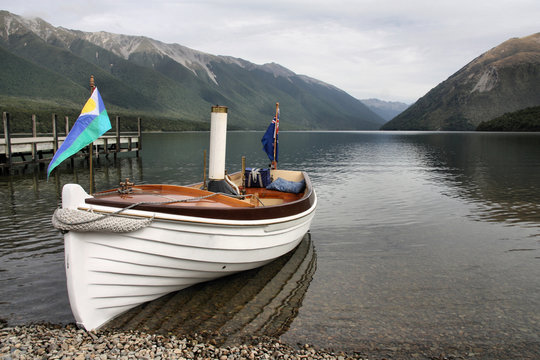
[258, 302]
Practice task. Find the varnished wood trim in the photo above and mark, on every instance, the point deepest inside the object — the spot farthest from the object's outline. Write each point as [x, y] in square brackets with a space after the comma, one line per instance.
[232, 213]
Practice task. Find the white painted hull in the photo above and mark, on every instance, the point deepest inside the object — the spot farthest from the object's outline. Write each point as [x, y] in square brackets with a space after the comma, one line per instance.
[109, 273]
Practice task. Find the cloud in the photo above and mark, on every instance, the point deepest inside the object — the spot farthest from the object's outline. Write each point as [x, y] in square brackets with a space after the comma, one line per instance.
[390, 49]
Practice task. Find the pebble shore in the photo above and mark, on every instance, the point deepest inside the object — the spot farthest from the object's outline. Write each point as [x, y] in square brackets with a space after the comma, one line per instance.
[50, 341]
[46, 341]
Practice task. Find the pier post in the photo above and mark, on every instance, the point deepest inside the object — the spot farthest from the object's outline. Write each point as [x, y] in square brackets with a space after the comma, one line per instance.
[106, 147]
[55, 133]
[34, 126]
[117, 136]
[139, 136]
[7, 137]
[71, 160]
[34, 135]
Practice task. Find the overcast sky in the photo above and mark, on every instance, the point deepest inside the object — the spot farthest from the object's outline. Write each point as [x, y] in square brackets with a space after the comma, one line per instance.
[394, 50]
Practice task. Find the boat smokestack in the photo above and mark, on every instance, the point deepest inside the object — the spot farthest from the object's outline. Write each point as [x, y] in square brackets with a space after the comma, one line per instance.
[218, 141]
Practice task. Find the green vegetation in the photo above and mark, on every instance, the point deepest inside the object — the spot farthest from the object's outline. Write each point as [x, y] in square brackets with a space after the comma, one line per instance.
[523, 120]
[21, 110]
[44, 76]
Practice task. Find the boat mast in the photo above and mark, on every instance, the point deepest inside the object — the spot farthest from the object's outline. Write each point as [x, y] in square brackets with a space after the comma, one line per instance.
[276, 129]
[91, 152]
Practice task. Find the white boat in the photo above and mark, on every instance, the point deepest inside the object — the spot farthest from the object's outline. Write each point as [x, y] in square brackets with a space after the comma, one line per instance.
[127, 246]
[262, 302]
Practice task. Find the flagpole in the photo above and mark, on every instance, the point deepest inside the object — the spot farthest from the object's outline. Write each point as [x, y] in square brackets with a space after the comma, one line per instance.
[91, 152]
[274, 163]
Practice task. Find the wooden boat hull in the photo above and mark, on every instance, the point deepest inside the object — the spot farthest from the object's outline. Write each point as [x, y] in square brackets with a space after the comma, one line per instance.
[109, 273]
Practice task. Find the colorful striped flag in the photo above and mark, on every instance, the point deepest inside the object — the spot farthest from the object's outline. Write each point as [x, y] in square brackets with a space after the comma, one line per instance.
[91, 124]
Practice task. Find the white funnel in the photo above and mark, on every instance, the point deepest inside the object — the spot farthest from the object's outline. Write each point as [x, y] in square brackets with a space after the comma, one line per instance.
[218, 142]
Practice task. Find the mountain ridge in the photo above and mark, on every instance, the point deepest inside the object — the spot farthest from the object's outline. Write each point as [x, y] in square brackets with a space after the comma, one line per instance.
[140, 74]
[385, 109]
[504, 79]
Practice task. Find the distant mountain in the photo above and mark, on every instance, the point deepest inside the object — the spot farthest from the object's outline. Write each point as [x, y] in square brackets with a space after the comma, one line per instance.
[385, 109]
[51, 66]
[504, 79]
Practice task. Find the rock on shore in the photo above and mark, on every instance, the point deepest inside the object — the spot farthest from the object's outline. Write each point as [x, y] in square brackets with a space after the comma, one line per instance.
[68, 342]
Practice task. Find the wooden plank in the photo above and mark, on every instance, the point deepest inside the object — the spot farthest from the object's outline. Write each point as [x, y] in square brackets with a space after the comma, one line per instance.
[7, 138]
[111, 140]
[55, 132]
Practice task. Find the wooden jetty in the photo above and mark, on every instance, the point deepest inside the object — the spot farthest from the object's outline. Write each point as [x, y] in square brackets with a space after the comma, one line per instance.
[16, 149]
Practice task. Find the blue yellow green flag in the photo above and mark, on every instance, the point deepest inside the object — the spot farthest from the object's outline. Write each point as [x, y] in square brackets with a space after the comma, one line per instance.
[90, 125]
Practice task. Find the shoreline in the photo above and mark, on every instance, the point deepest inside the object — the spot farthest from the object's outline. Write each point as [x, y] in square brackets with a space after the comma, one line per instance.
[57, 341]
[53, 341]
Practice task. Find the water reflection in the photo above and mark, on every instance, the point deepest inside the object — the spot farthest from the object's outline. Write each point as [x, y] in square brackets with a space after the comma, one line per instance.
[32, 277]
[411, 232]
[259, 302]
[495, 172]
[396, 245]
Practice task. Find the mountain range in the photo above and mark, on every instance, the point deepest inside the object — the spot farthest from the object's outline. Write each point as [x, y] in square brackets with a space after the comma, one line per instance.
[47, 67]
[504, 79]
[385, 109]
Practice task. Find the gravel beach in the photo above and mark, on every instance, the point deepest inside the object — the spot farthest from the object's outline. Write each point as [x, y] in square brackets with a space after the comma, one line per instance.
[46, 341]
[49, 341]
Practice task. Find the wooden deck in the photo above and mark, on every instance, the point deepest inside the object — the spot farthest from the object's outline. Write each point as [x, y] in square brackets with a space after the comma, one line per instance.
[41, 148]
[35, 148]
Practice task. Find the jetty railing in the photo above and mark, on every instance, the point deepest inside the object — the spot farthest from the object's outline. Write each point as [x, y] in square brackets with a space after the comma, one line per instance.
[25, 148]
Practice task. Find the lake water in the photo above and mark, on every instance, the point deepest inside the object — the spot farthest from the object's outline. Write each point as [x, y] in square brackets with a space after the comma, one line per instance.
[424, 243]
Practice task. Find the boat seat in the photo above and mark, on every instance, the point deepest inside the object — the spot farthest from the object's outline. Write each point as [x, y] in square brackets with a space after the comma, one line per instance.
[273, 197]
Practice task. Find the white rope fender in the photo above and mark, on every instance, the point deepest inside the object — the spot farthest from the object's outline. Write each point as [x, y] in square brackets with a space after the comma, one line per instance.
[86, 221]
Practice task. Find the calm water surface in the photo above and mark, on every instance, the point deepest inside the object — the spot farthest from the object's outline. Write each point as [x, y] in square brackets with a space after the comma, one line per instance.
[420, 238]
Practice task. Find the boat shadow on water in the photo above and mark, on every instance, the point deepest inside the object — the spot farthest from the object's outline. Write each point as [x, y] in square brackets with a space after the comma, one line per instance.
[230, 310]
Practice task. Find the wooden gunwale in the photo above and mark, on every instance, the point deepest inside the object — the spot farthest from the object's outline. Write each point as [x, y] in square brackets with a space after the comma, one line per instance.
[244, 212]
